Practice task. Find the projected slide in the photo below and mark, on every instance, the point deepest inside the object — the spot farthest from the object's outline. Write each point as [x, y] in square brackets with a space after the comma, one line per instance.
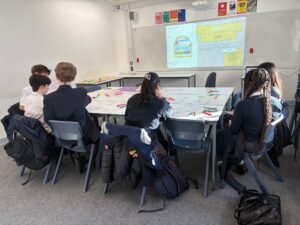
[215, 43]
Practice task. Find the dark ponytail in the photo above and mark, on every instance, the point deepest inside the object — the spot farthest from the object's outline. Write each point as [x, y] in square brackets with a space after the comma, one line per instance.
[149, 86]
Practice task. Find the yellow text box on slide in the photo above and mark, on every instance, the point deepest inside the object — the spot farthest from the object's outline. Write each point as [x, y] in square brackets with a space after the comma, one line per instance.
[219, 32]
[234, 58]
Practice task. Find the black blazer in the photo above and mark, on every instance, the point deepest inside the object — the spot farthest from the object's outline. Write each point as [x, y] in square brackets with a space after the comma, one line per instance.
[69, 104]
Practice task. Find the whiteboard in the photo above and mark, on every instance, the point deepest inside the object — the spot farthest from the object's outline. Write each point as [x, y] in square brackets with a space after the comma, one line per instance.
[274, 36]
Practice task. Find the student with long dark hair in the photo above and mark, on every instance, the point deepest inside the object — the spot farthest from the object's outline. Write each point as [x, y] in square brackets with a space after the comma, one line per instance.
[148, 108]
[250, 120]
[279, 107]
[276, 89]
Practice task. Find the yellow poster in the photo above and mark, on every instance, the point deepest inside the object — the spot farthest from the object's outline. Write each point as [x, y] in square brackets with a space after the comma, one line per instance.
[241, 6]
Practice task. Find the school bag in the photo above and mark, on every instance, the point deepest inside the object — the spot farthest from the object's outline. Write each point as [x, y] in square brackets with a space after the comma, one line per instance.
[256, 208]
[169, 182]
[22, 151]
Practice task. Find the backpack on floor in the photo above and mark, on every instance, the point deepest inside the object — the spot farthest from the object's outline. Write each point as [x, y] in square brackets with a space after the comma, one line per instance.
[22, 151]
[169, 181]
[256, 208]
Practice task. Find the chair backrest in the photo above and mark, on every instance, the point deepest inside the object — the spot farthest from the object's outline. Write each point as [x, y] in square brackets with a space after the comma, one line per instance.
[188, 134]
[211, 80]
[68, 134]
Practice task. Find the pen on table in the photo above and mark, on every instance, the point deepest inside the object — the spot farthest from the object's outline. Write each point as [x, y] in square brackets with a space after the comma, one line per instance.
[191, 114]
[207, 113]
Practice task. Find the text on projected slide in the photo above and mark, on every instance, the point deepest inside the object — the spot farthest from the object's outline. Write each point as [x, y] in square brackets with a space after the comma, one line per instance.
[215, 43]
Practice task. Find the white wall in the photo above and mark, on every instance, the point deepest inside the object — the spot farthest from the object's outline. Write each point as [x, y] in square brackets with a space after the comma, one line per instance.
[50, 31]
[145, 17]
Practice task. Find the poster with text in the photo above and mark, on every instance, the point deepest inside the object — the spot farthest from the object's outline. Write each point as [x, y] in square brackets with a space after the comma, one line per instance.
[222, 8]
[181, 15]
[158, 18]
[231, 7]
[252, 6]
[241, 6]
[173, 16]
[166, 17]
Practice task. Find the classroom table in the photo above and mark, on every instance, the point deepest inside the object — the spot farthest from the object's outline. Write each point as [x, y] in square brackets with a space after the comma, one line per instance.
[106, 81]
[188, 103]
[190, 78]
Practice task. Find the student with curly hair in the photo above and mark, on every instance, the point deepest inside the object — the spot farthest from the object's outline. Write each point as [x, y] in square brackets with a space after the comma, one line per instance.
[250, 120]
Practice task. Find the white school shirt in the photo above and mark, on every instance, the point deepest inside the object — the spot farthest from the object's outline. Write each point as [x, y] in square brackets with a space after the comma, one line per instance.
[33, 107]
[28, 90]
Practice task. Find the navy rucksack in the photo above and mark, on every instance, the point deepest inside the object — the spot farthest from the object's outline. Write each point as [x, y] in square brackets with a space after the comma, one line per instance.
[169, 182]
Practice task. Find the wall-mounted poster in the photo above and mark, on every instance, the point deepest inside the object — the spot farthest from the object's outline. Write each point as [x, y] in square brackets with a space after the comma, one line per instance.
[252, 6]
[166, 17]
[173, 16]
[241, 6]
[231, 7]
[181, 15]
[158, 18]
[222, 8]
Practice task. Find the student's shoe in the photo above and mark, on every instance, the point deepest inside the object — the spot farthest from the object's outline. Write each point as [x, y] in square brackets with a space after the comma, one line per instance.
[241, 169]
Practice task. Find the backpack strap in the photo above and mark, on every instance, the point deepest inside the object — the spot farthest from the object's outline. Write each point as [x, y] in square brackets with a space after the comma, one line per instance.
[28, 179]
[154, 210]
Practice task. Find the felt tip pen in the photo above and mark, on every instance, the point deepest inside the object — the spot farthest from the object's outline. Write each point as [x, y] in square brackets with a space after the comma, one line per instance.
[207, 113]
[191, 114]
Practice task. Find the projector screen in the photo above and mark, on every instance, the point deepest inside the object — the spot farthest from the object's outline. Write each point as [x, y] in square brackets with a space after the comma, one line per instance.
[214, 43]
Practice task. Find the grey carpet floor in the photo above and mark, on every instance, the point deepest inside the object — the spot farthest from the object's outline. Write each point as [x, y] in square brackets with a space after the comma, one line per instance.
[65, 204]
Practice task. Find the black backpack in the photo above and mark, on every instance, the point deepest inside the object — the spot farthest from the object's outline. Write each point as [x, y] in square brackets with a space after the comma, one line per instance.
[21, 150]
[170, 182]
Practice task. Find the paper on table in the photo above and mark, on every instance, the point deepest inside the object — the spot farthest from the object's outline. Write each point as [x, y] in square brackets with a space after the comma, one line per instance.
[113, 93]
[131, 89]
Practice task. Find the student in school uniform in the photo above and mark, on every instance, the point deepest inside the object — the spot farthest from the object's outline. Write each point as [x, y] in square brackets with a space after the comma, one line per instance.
[148, 108]
[276, 89]
[250, 120]
[33, 103]
[68, 104]
[39, 69]
[279, 107]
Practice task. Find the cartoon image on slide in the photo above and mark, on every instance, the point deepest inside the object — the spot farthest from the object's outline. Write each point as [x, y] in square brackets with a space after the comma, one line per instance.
[182, 47]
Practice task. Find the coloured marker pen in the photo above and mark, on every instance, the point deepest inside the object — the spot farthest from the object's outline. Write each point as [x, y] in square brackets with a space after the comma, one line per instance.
[207, 113]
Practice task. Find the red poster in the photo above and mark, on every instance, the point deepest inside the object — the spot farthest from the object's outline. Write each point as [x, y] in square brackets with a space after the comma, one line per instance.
[222, 8]
[158, 18]
[174, 16]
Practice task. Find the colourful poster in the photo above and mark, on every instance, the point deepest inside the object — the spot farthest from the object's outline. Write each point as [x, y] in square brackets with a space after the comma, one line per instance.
[252, 6]
[222, 8]
[232, 7]
[166, 17]
[158, 18]
[241, 6]
[181, 15]
[173, 16]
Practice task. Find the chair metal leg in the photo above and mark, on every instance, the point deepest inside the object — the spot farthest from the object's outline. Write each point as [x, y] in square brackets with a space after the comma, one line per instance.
[292, 121]
[71, 156]
[143, 196]
[48, 171]
[273, 168]
[89, 169]
[207, 173]
[58, 165]
[22, 171]
[105, 190]
[250, 166]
